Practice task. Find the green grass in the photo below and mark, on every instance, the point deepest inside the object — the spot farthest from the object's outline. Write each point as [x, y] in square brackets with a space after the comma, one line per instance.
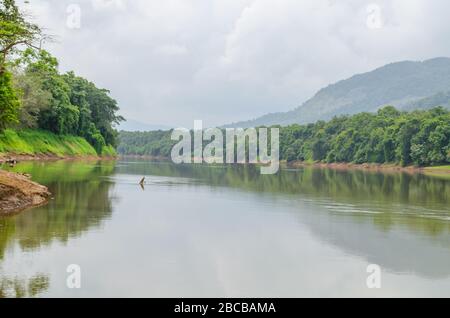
[109, 151]
[442, 172]
[38, 142]
[439, 168]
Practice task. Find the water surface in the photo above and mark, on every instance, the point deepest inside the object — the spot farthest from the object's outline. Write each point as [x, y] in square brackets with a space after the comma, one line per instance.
[227, 231]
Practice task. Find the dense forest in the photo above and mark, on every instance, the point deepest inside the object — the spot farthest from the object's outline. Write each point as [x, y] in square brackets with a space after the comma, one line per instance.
[35, 95]
[389, 136]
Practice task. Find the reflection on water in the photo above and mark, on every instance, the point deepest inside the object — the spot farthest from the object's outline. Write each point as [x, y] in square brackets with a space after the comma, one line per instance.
[19, 288]
[82, 199]
[196, 230]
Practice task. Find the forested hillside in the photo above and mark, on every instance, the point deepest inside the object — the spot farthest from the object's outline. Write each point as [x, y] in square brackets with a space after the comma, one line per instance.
[406, 85]
[389, 136]
[34, 95]
[441, 98]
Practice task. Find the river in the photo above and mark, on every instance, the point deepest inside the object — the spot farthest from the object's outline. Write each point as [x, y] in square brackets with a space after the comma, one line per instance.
[227, 231]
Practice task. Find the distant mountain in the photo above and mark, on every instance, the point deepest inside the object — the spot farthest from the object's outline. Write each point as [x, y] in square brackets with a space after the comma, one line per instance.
[133, 125]
[405, 85]
[439, 99]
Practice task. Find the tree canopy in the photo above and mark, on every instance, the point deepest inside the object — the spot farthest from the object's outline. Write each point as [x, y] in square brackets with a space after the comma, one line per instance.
[64, 104]
[389, 136]
[15, 30]
[34, 94]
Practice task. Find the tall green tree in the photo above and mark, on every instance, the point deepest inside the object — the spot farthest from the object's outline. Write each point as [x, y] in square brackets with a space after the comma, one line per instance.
[61, 117]
[9, 103]
[98, 111]
[15, 31]
[33, 98]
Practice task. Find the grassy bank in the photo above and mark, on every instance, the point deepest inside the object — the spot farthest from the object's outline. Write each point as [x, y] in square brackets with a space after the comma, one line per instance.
[38, 142]
[438, 168]
[439, 171]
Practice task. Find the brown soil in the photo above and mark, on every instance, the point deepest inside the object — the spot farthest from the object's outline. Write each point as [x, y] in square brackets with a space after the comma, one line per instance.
[50, 157]
[352, 166]
[336, 166]
[146, 157]
[18, 192]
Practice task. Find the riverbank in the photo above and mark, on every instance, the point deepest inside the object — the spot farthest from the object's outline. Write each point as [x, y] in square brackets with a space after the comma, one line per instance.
[439, 170]
[5, 158]
[30, 144]
[36, 143]
[18, 192]
[145, 157]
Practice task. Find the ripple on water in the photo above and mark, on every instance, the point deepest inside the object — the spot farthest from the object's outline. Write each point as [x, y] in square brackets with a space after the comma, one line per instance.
[149, 180]
[379, 208]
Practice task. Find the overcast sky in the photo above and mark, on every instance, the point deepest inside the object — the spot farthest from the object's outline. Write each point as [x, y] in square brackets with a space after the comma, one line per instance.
[170, 62]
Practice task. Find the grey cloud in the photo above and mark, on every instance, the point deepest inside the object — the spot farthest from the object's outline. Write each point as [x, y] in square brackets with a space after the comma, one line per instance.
[170, 62]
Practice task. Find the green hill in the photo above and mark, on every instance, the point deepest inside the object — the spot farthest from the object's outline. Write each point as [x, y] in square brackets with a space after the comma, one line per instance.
[405, 85]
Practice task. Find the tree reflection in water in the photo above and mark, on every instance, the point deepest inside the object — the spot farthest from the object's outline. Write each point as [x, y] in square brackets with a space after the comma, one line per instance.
[81, 200]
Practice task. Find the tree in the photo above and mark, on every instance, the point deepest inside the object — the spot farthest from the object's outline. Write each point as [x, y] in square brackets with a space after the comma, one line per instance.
[290, 155]
[9, 103]
[95, 106]
[60, 117]
[389, 136]
[33, 98]
[15, 31]
[62, 104]
[319, 149]
[405, 135]
[429, 145]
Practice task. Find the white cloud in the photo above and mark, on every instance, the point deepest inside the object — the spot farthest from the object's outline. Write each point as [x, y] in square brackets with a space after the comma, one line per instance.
[171, 49]
[170, 62]
[109, 4]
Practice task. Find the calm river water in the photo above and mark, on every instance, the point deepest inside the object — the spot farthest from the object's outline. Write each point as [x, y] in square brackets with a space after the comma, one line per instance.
[227, 231]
